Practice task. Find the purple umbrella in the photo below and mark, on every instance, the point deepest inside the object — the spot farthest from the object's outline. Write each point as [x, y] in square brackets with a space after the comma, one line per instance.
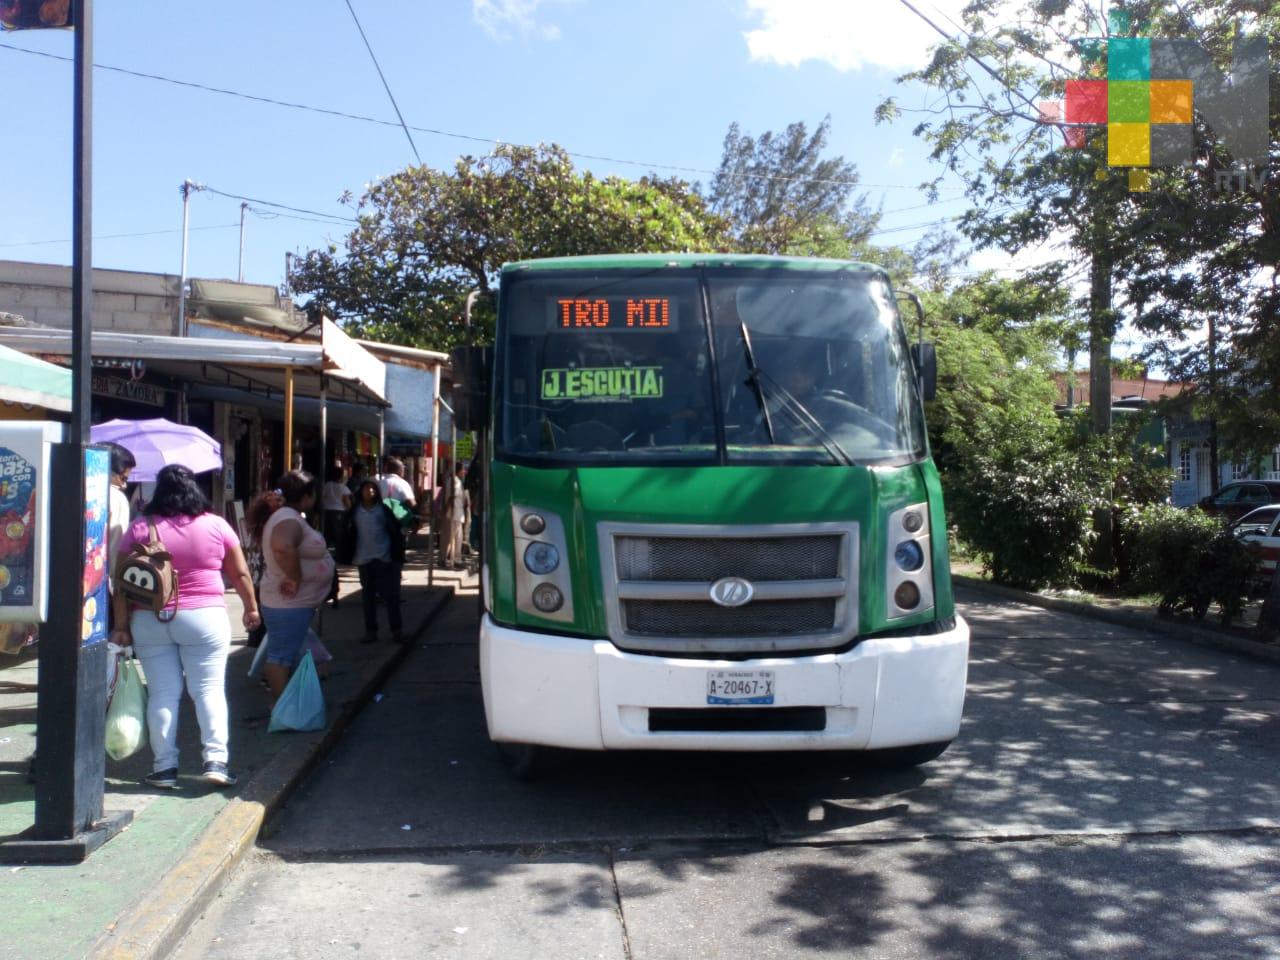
[159, 442]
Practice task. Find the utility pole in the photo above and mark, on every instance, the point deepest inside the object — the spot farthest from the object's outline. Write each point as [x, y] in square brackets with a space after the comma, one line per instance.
[188, 187]
[243, 208]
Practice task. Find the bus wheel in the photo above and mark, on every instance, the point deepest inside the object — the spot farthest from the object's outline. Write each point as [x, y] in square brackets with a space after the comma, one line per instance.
[899, 758]
[524, 761]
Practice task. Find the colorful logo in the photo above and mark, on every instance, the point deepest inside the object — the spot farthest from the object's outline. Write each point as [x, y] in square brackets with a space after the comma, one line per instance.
[1148, 93]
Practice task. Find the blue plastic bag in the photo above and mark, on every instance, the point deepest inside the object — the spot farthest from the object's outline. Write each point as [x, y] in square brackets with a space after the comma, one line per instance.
[301, 705]
[127, 716]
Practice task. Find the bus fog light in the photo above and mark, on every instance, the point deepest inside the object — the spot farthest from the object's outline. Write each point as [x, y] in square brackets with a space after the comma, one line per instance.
[912, 521]
[547, 598]
[907, 596]
[532, 524]
[541, 558]
[909, 556]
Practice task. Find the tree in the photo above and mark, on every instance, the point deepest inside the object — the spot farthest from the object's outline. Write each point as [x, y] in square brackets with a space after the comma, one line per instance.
[1184, 254]
[781, 196]
[425, 238]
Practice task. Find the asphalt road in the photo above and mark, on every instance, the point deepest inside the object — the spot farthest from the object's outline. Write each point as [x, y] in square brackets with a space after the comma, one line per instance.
[1113, 793]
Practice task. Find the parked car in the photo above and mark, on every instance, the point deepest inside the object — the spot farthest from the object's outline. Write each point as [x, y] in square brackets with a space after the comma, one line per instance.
[1236, 499]
[1261, 529]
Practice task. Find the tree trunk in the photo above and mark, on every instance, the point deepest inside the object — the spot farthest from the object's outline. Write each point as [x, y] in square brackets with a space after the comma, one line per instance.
[1101, 331]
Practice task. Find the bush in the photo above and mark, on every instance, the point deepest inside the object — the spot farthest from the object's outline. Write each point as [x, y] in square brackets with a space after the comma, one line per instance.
[1189, 558]
[1019, 498]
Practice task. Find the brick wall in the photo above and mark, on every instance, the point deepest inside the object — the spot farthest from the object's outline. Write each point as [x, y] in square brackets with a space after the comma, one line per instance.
[128, 302]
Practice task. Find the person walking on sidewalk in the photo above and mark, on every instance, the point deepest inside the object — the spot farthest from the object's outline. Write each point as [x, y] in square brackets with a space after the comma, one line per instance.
[297, 576]
[456, 521]
[373, 541]
[336, 500]
[193, 644]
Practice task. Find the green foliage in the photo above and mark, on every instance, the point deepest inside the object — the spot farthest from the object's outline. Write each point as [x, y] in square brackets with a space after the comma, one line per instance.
[1184, 252]
[780, 195]
[1017, 496]
[1189, 558]
[425, 238]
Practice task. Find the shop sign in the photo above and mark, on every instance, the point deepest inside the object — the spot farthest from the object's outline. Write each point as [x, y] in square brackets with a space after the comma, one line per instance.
[135, 391]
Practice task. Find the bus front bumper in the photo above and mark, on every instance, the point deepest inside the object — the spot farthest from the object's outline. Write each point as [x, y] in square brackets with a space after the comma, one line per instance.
[589, 695]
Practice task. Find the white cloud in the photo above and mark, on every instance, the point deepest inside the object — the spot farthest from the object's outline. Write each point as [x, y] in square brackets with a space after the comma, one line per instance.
[897, 157]
[847, 34]
[502, 19]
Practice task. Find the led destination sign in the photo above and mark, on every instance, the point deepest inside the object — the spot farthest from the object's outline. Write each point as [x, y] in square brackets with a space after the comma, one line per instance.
[602, 383]
[612, 313]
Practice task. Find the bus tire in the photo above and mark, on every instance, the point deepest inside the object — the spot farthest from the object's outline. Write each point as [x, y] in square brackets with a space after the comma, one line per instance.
[900, 758]
[525, 761]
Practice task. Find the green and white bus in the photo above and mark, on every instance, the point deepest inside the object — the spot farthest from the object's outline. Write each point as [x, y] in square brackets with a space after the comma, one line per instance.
[711, 517]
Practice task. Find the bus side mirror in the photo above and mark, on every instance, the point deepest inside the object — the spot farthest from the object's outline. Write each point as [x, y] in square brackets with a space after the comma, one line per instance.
[471, 369]
[925, 358]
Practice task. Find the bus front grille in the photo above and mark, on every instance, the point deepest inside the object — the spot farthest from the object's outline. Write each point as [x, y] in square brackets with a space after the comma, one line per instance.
[658, 583]
[777, 618]
[709, 559]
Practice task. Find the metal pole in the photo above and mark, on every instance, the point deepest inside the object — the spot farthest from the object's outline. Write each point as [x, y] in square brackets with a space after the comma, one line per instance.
[324, 445]
[243, 208]
[71, 697]
[434, 532]
[288, 420]
[188, 187]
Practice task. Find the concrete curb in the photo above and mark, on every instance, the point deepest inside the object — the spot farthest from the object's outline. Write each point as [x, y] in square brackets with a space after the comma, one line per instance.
[1194, 633]
[152, 927]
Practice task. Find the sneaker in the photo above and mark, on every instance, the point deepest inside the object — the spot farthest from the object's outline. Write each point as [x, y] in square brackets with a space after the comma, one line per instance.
[369, 638]
[164, 779]
[216, 772]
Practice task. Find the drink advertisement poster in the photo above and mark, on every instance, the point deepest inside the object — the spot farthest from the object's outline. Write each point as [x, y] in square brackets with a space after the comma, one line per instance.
[24, 510]
[97, 479]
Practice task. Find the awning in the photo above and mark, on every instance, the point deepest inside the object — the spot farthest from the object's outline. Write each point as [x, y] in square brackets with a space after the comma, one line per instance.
[345, 369]
[29, 380]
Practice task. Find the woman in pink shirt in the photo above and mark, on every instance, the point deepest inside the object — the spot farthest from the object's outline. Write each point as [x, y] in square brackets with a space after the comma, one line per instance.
[193, 644]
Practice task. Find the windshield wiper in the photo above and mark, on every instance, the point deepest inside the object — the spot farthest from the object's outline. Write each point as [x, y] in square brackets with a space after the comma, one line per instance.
[753, 375]
[804, 416]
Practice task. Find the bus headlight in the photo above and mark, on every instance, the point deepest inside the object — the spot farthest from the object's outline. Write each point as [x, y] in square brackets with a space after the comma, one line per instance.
[532, 524]
[908, 555]
[541, 558]
[547, 597]
[908, 564]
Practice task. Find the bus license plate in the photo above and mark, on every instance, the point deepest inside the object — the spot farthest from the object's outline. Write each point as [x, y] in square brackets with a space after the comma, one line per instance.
[732, 687]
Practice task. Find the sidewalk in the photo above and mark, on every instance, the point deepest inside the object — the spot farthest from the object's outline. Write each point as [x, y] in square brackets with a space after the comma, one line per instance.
[130, 897]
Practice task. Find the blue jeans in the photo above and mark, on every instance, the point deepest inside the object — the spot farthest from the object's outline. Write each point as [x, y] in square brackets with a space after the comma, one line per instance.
[379, 578]
[286, 633]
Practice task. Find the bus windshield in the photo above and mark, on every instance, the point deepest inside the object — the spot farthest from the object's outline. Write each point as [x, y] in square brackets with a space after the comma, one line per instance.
[615, 366]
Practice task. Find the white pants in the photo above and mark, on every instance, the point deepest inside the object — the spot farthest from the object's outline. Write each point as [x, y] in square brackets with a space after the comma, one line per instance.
[192, 646]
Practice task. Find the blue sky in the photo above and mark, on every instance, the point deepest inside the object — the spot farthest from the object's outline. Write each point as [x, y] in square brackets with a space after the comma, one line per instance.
[657, 81]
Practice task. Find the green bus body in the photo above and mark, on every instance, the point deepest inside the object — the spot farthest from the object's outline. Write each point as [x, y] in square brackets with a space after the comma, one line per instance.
[793, 487]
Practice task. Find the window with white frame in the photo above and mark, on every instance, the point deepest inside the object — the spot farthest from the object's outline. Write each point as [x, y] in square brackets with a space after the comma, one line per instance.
[1275, 464]
[1184, 462]
[1239, 471]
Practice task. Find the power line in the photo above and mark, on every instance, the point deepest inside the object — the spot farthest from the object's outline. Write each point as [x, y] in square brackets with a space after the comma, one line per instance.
[434, 131]
[273, 215]
[281, 206]
[117, 236]
[386, 86]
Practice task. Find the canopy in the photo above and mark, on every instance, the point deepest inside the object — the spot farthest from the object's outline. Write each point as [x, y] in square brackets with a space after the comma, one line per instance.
[32, 381]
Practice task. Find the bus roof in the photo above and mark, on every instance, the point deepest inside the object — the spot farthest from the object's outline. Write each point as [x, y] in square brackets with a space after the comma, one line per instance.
[641, 261]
